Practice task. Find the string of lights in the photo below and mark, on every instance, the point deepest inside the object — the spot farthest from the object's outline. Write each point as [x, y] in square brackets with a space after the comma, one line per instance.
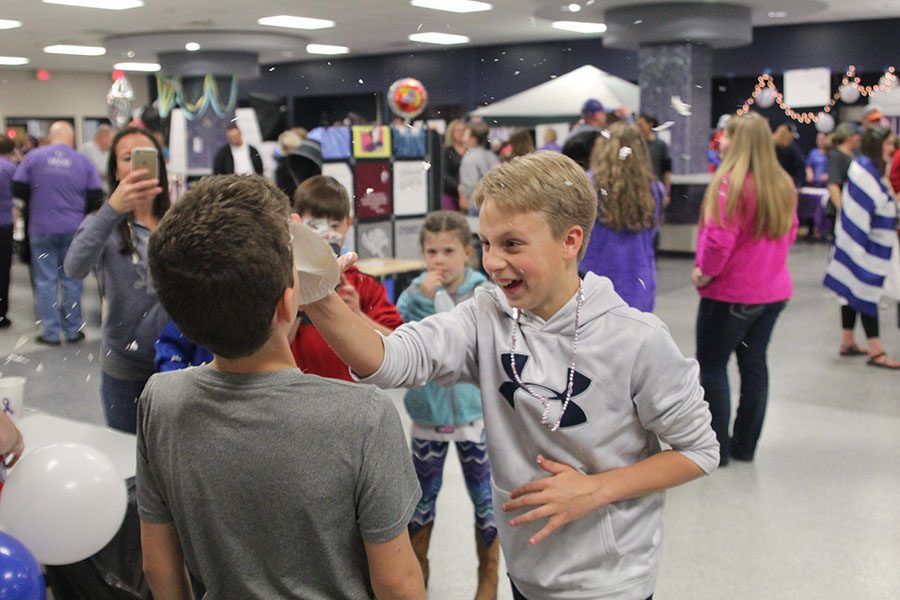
[766, 93]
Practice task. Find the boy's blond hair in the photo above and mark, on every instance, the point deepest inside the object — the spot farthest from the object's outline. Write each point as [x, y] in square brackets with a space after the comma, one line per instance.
[545, 182]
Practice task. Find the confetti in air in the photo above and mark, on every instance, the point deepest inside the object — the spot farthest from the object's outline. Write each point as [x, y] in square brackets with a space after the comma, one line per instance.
[132, 347]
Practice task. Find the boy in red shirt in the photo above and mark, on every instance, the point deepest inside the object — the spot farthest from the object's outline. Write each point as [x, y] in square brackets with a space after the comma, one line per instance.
[324, 205]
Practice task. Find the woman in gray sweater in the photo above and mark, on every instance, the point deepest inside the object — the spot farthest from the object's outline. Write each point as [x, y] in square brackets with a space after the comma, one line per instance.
[113, 243]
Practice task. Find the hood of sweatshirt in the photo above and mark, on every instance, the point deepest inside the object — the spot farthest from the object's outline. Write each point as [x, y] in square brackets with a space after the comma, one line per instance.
[599, 299]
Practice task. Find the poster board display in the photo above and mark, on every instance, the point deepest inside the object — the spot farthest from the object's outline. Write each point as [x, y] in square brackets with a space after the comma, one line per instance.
[373, 189]
[804, 88]
[371, 141]
[411, 187]
[375, 239]
[406, 238]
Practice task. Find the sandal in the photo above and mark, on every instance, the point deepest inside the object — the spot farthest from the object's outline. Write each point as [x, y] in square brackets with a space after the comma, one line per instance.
[883, 363]
[852, 350]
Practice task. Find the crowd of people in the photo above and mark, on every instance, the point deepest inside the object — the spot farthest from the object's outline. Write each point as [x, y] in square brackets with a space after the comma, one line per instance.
[498, 352]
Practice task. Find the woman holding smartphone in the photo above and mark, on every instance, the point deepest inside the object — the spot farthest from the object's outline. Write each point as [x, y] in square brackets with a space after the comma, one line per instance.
[113, 243]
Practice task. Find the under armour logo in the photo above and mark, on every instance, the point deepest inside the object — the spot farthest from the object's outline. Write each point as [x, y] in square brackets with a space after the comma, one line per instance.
[573, 416]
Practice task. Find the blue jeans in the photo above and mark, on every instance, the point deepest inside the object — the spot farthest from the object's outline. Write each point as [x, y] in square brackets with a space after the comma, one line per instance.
[48, 251]
[745, 329]
[120, 399]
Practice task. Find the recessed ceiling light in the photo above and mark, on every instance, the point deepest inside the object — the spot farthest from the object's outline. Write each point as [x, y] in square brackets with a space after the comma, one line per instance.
[457, 6]
[777, 14]
[104, 4]
[13, 61]
[433, 37]
[75, 50]
[326, 49]
[580, 26]
[192, 46]
[295, 22]
[9, 24]
[574, 7]
[136, 66]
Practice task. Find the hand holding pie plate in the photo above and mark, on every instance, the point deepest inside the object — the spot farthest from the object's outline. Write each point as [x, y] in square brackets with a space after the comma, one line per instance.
[315, 260]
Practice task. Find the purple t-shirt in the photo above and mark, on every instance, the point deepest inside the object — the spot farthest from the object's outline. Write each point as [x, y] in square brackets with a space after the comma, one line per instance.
[7, 169]
[626, 258]
[58, 177]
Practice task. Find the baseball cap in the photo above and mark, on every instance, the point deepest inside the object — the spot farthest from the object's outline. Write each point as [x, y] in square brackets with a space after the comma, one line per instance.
[844, 131]
[592, 106]
[872, 116]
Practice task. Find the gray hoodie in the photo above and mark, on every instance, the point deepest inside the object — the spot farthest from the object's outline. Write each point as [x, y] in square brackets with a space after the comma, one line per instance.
[133, 316]
[632, 389]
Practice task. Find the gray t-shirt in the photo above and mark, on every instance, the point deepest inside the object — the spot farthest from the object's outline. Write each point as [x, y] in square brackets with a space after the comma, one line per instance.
[273, 480]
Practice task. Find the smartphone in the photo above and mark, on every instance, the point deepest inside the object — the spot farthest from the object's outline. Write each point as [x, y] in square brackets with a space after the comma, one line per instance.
[145, 158]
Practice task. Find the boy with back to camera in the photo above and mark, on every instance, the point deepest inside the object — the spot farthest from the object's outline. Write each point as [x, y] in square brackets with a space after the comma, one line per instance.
[265, 482]
[578, 390]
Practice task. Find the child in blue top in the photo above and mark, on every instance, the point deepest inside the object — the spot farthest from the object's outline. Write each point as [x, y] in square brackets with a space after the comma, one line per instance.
[444, 414]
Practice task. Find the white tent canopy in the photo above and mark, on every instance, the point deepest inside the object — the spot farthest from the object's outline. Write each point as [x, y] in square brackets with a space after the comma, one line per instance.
[560, 99]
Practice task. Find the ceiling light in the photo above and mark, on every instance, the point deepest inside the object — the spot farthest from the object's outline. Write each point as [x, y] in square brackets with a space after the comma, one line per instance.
[295, 22]
[433, 37]
[326, 49]
[574, 7]
[137, 66]
[13, 61]
[580, 26]
[777, 14]
[104, 4]
[457, 6]
[192, 46]
[9, 24]
[75, 50]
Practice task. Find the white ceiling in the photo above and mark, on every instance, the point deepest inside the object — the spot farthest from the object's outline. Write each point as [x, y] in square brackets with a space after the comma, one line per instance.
[367, 27]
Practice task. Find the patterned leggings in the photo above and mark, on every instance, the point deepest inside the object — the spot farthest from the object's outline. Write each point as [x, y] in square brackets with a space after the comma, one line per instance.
[428, 458]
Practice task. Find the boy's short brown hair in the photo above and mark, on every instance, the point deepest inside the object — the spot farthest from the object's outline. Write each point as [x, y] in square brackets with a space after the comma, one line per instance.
[545, 182]
[221, 259]
[322, 197]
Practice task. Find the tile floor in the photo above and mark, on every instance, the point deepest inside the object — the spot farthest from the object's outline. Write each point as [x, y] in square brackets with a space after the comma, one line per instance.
[816, 516]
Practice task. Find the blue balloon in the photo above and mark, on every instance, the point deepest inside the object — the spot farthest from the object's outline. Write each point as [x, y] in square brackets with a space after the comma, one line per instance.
[20, 573]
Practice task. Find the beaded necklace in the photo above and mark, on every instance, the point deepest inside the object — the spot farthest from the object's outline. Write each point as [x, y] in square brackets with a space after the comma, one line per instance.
[545, 402]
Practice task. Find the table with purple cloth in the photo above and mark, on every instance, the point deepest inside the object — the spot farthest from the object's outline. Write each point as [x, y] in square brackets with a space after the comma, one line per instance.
[811, 208]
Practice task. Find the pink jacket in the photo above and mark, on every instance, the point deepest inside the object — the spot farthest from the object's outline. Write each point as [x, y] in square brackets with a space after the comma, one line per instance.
[745, 269]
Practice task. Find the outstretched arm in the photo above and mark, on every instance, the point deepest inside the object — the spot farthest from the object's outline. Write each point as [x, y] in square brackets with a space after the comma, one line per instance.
[351, 336]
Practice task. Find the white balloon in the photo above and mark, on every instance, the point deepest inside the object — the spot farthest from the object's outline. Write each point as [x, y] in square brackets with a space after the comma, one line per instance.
[64, 502]
[850, 93]
[824, 122]
[765, 98]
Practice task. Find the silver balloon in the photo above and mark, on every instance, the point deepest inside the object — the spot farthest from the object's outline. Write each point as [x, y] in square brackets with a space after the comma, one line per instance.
[118, 101]
[824, 122]
[765, 98]
[850, 93]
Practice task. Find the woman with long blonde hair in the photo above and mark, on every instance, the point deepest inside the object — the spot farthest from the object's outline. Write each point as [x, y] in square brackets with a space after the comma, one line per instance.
[748, 222]
[629, 201]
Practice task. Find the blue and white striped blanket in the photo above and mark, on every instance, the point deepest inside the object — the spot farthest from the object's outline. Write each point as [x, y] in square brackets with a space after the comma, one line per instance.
[864, 237]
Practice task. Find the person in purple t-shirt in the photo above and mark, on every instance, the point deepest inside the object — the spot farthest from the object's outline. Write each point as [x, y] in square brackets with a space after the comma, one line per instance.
[59, 186]
[628, 210]
[7, 169]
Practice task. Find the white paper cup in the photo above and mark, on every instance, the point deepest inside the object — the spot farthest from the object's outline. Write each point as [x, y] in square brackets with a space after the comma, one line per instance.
[12, 394]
